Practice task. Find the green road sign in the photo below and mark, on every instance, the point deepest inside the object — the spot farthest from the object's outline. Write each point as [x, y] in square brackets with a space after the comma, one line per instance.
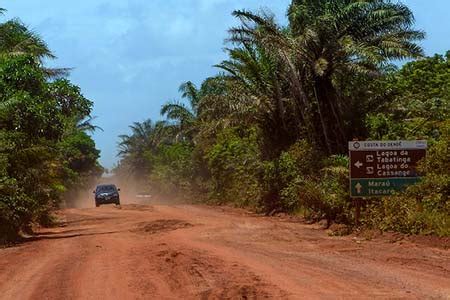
[381, 168]
[380, 186]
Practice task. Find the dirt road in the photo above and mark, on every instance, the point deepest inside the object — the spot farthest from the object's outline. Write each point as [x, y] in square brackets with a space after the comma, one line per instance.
[195, 252]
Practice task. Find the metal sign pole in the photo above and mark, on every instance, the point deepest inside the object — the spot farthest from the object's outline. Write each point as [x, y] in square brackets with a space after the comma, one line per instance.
[358, 202]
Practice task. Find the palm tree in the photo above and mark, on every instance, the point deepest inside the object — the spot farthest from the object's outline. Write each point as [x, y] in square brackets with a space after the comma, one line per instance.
[184, 115]
[224, 103]
[17, 39]
[86, 124]
[257, 92]
[325, 41]
[145, 138]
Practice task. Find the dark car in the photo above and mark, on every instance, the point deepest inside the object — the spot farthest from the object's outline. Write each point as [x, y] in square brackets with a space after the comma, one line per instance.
[106, 194]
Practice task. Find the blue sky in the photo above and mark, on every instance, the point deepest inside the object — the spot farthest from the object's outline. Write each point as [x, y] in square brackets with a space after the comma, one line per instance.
[130, 56]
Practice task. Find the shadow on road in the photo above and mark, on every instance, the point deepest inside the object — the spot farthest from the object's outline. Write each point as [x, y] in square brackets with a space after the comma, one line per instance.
[67, 236]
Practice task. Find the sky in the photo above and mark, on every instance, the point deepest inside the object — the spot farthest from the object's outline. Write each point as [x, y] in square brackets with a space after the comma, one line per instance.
[130, 56]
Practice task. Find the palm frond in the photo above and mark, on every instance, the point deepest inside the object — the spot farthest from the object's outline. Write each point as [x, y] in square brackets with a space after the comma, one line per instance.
[17, 39]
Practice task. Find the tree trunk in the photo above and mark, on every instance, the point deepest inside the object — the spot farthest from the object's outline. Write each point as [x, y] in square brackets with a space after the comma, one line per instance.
[330, 118]
[323, 123]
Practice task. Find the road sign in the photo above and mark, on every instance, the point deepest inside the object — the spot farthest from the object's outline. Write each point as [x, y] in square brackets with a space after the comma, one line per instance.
[381, 168]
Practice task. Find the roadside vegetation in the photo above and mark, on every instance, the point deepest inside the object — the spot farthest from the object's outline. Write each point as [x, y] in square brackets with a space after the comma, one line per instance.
[45, 150]
[270, 130]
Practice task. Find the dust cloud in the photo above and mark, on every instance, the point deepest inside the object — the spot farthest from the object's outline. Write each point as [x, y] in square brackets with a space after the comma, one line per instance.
[131, 192]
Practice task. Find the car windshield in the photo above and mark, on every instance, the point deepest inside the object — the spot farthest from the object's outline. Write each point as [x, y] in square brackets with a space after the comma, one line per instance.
[106, 189]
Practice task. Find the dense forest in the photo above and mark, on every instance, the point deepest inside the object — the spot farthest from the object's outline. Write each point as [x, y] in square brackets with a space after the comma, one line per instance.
[45, 150]
[270, 130]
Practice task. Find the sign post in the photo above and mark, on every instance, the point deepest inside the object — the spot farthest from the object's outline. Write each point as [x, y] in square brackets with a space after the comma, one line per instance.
[381, 168]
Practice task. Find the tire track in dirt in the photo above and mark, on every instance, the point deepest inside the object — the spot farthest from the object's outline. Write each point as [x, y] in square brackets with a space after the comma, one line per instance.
[192, 273]
[205, 276]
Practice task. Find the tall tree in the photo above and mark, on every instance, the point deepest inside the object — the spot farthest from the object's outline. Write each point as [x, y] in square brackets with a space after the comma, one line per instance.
[419, 105]
[184, 115]
[326, 40]
[16, 39]
[42, 155]
[145, 138]
[257, 91]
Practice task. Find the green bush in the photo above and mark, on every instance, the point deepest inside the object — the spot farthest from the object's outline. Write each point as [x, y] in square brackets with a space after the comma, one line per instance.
[423, 208]
[326, 195]
[294, 167]
[172, 170]
[16, 210]
[235, 165]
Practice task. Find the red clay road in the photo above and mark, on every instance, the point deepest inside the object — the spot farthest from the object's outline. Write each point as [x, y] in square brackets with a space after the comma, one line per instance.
[196, 252]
